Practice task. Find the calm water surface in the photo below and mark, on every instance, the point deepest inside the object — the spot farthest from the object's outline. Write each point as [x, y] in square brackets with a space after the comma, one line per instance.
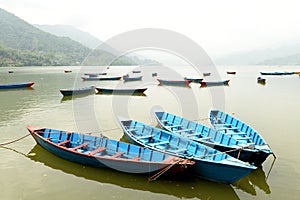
[271, 109]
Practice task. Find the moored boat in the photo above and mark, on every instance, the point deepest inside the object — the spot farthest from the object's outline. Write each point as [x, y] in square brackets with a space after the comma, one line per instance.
[206, 74]
[239, 147]
[209, 164]
[236, 129]
[174, 82]
[103, 152]
[74, 91]
[231, 72]
[261, 80]
[277, 73]
[133, 78]
[16, 85]
[121, 90]
[67, 71]
[214, 83]
[100, 78]
[95, 74]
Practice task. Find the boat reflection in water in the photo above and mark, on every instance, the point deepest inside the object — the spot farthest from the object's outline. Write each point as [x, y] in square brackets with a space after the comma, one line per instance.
[181, 187]
[257, 179]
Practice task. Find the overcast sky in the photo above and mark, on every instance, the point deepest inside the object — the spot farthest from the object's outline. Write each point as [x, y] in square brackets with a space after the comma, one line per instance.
[220, 27]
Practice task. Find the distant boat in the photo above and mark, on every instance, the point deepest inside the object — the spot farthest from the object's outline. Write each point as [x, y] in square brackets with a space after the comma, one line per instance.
[238, 147]
[209, 164]
[95, 74]
[174, 82]
[239, 130]
[195, 80]
[231, 72]
[75, 91]
[213, 83]
[68, 71]
[103, 152]
[121, 91]
[134, 78]
[206, 74]
[101, 78]
[136, 71]
[16, 85]
[10, 72]
[154, 74]
[261, 80]
[277, 73]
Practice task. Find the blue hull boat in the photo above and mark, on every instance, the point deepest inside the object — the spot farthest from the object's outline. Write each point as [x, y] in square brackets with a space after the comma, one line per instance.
[277, 73]
[101, 78]
[103, 152]
[237, 129]
[209, 164]
[121, 90]
[238, 147]
[76, 91]
[194, 80]
[16, 85]
[174, 82]
[135, 78]
[213, 83]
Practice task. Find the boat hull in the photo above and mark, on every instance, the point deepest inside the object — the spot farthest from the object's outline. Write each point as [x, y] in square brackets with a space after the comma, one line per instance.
[141, 165]
[16, 85]
[223, 122]
[206, 166]
[101, 78]
[174, 82]
[70, 92]
[121, 91]
[213, 83]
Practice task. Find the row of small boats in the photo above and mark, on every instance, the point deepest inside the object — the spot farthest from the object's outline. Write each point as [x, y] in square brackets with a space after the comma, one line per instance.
[225, 153]
[92, 89]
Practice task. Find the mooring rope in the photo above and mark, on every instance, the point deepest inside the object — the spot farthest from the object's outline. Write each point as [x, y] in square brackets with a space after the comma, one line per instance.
[16, 140]
[164, 170]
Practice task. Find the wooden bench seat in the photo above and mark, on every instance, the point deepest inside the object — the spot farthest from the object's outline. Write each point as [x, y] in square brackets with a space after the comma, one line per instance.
[158, 143]
[63, 142]
[117, 155]
[183, 130]
[144, 136]
[201, 139]
[97, 150]
[78, 147]
[174, 126]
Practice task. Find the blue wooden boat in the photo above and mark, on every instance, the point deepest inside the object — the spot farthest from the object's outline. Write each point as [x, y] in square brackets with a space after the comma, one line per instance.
[16, 85]
[214, 83]
[100, 78]
[75, 91]
[95, 74]
[277, 73]
[237, 129]
[238, 147]
[103, 152]
[121, 90]
[194, 80]
[209, 164]
[174, 82]
[134, 78]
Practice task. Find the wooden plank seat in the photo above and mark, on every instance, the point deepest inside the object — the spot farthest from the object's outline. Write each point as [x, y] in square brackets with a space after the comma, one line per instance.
[227, 128]
[220, 124]
[242, 138]
[97, 150]
[193, 134]
[144, 136]
[236, 133]
[63, 142]
[158, 143]
[78, 147]
[201, 139]
[117, 155]
[180, 150]
[183, 130]
[174, 126]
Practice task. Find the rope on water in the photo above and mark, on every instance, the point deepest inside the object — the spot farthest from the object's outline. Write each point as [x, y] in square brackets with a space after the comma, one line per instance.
[164, 170]
[16, 140]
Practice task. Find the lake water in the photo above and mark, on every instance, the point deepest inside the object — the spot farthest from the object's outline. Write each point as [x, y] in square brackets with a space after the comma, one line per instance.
[272, 109]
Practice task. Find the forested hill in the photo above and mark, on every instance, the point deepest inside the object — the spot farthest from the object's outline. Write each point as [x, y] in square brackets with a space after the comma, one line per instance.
[20, 38]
